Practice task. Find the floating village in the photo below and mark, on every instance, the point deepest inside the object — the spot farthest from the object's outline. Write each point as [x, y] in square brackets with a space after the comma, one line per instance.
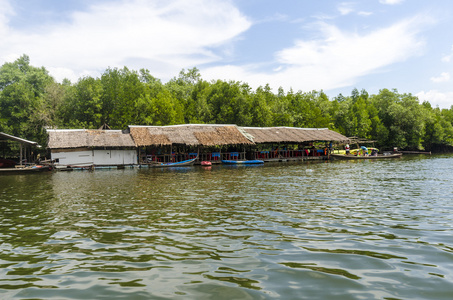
[178, 145]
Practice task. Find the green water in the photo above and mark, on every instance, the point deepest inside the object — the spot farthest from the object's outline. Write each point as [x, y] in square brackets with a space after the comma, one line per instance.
[329, 230]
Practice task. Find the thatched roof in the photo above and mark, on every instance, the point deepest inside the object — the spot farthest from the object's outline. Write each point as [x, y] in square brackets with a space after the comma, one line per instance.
[190, 135]
[262, 135]
[81, 138]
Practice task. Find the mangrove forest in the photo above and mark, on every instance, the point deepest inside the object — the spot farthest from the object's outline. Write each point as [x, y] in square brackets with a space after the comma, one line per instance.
[31, 100]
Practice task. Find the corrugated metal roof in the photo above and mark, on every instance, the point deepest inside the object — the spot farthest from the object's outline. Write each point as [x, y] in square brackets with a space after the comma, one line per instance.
[4, 136]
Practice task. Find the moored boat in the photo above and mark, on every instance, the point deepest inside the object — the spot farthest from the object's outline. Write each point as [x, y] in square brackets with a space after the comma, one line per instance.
[187, 162]
[26, 170]
[245, 162]
[355, 157]
[206, 163]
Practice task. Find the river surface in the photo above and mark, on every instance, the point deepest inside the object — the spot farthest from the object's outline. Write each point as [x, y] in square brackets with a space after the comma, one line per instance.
[326, 230]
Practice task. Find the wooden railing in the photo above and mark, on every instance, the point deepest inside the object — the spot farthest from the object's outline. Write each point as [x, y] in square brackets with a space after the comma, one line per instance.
[219, 156]
[209, 156]
[276, 154]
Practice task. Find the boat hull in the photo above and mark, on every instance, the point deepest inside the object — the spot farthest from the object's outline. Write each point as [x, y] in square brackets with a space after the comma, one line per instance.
[242, 162]
[26, 170]
[183, 163]
[354, 157]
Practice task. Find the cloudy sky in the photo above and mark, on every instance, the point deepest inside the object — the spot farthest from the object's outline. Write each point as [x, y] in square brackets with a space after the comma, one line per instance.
[305, 45]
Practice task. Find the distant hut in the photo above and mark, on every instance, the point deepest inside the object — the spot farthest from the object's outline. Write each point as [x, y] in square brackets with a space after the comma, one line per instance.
[25, 150]
[291, 142]
[85, 147]
[179, 142]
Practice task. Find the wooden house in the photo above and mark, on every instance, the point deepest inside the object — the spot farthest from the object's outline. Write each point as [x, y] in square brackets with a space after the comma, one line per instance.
[85, 147]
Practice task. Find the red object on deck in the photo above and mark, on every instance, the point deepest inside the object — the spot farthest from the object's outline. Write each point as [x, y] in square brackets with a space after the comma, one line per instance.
[7, 163]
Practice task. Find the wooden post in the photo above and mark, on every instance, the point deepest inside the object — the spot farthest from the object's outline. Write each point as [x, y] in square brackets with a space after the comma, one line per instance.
[20, 145]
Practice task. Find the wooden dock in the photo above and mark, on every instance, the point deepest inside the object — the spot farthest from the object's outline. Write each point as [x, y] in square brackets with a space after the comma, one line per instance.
[414, 152]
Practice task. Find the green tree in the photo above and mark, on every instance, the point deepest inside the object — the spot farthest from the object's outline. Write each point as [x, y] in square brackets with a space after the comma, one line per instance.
[229, 103]
[182, 88]
[438, 129]
[402, 115]
[261, 114]
[281, 109]
[121, 88]
[82, 104]
[198, 109]
[22, 103]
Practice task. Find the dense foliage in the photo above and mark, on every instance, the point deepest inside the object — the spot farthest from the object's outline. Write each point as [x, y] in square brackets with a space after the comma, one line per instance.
[31, 100]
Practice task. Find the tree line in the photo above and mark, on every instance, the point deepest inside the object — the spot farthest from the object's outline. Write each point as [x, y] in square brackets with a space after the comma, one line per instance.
[31, 100]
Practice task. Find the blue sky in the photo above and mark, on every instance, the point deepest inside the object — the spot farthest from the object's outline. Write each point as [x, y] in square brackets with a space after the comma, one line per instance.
[305, 45]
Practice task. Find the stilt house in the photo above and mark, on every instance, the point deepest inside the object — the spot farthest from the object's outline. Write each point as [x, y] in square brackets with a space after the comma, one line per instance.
[180, 142]
[85, 147]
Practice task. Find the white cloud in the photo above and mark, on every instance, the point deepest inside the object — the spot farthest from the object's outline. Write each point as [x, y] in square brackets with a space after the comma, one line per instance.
[6, 12]
[163, 36]
[364, 13]
[336, 60]
[391, 2]
[447, 58]
[436, 98]
[345, 8]
[444, 77]
[166, 36]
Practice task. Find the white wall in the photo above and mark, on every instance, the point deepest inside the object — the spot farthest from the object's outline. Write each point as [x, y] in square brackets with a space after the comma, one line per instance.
[96, 157]
[73, 158]
[115, 157]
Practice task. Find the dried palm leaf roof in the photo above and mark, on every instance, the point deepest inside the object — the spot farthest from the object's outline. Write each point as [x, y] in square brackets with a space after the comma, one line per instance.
[189, 134]
[262, 135]
[80, 138]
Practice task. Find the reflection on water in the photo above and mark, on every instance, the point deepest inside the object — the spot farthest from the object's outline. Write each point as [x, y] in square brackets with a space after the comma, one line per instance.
[343, 230]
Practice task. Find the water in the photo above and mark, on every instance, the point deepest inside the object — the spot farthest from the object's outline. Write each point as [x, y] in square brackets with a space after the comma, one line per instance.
[330, 230]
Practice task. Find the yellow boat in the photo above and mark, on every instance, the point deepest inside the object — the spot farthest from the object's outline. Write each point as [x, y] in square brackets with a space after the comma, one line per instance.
[361, 151]
[354, 151]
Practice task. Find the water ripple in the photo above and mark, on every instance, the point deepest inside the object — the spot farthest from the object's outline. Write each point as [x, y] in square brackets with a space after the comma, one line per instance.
[346, 230]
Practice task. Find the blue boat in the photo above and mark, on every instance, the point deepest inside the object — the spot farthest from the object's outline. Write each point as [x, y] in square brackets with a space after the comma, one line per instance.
[242, 162]
[176, 164]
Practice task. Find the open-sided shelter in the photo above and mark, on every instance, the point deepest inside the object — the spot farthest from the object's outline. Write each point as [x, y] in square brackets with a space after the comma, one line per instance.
[292, 135]
[292, 142]
[25, 146]
[191, 137]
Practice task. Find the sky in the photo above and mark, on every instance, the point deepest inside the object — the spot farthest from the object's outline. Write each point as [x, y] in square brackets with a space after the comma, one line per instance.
[303, 45]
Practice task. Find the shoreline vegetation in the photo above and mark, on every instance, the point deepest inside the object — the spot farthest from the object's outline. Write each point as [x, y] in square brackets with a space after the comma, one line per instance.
[31, 101]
